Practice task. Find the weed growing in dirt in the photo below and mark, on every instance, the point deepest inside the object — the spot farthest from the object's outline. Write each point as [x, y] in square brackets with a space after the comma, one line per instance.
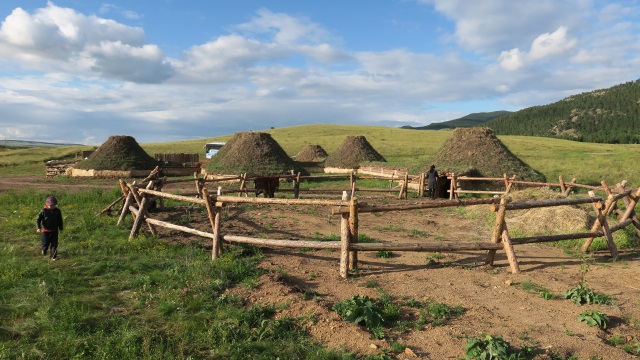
[374, 315]
[384, 254]
[438, 314]
[582, 294]
[594, 318]
[528, 285]
[493, 348]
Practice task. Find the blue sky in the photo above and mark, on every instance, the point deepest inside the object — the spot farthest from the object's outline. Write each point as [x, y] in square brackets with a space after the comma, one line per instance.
[78, 71]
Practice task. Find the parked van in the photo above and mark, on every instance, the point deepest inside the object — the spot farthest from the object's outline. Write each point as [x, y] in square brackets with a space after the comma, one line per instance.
[212, 148]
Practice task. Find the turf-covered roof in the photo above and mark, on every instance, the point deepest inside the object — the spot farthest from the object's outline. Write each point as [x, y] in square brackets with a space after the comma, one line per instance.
[311, 153]
[254, 153]
[479, 152]
[353, 151]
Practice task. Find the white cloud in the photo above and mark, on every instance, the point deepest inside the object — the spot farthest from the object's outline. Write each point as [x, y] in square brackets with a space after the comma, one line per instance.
[549, 44]
[63, 39]
[285, 29]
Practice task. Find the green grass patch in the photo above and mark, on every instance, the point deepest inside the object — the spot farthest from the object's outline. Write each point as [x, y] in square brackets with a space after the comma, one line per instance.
[108, 297]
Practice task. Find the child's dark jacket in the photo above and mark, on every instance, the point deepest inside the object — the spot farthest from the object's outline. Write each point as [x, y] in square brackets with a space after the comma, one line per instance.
[49, 219]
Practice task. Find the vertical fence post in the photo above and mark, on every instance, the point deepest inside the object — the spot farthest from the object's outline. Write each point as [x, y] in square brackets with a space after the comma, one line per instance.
[296, 186]
[344, 242]
[563, 188]
[353, 232]
[497, 229]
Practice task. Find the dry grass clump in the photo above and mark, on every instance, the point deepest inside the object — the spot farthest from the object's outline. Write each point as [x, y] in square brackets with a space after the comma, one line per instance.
[254, 153]
[311, 153]
[119, 153]
[480, 152]
[548, 220]
[353, 151]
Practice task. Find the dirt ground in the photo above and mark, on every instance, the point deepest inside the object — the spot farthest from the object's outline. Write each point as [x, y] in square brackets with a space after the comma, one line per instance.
[306, 283]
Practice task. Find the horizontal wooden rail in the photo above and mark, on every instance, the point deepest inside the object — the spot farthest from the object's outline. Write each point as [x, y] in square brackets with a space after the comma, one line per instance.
[547, 203]
[179, 227]
[477, 192]
[424, 246]
[282, 243]
[425, 205]
[238, 199]
[173, 196]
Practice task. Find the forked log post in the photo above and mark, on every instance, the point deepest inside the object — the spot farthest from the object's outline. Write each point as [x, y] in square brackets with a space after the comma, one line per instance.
[508, 249]
[497, 229]
[243, 184]
[125, 207]
[353, 233]
[123, 187]
[569, 187]
[141, 215]
[563, 188]
[602, 214]
[214, 220]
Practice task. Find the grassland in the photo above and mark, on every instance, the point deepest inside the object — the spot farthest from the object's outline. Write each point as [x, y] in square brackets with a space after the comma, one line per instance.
[589, 163]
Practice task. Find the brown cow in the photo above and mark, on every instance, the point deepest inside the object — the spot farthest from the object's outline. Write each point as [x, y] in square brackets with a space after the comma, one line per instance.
[266, 186]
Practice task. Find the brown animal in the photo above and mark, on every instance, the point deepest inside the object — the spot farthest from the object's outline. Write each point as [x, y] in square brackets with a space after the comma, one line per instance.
[266, 186]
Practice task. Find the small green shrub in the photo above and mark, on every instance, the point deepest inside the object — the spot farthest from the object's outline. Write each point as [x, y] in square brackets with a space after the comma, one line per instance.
[384, 254]
[437, 314]
[361, 310]
[582, 294]
[594, 318]
[488, 348]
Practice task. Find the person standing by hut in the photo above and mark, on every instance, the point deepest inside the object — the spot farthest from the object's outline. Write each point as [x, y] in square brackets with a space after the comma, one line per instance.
[432, 178]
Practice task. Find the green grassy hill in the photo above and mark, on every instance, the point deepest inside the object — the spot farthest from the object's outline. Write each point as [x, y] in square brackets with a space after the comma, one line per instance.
[602, 116]
[589, 163]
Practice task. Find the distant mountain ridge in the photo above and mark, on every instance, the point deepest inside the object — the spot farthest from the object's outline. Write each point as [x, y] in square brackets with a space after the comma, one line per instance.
[471, 120]
[602, 116]
[25, 143]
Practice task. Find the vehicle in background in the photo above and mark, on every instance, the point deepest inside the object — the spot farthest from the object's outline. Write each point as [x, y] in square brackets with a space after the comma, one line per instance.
[212, 148]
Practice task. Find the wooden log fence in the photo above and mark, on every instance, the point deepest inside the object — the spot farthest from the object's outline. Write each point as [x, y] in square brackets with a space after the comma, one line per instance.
[138, 197]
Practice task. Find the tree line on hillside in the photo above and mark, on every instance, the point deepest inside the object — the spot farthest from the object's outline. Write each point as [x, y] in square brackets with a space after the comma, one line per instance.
[601, 116]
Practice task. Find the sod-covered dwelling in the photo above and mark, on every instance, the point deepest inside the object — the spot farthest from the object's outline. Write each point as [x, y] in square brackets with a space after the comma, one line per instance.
[477, 152]
[311, 153]
[257, 155]
[354, 151]
[119, 156]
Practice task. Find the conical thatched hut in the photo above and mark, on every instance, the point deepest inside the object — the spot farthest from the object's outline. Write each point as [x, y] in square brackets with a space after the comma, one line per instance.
[478, 152]
[353, 151]
[120, 153]
[253, 153]
[256, 154]
[311, 153]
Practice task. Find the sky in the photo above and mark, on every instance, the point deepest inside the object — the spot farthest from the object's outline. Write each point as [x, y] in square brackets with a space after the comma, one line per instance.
[79, 71]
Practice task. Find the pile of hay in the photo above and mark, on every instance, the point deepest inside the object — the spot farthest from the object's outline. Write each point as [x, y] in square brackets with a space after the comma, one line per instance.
[353, 151]
[311, 153]
[254, 153]
[548, 220]
[478, 152]
[119, 153]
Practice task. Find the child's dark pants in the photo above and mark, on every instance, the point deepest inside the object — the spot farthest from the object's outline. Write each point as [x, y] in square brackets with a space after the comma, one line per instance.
[50, 241]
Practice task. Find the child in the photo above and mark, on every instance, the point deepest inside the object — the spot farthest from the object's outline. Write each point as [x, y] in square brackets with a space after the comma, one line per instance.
[48, 222]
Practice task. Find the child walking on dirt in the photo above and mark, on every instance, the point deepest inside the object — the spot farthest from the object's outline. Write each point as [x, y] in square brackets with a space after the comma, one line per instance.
[49, 222]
